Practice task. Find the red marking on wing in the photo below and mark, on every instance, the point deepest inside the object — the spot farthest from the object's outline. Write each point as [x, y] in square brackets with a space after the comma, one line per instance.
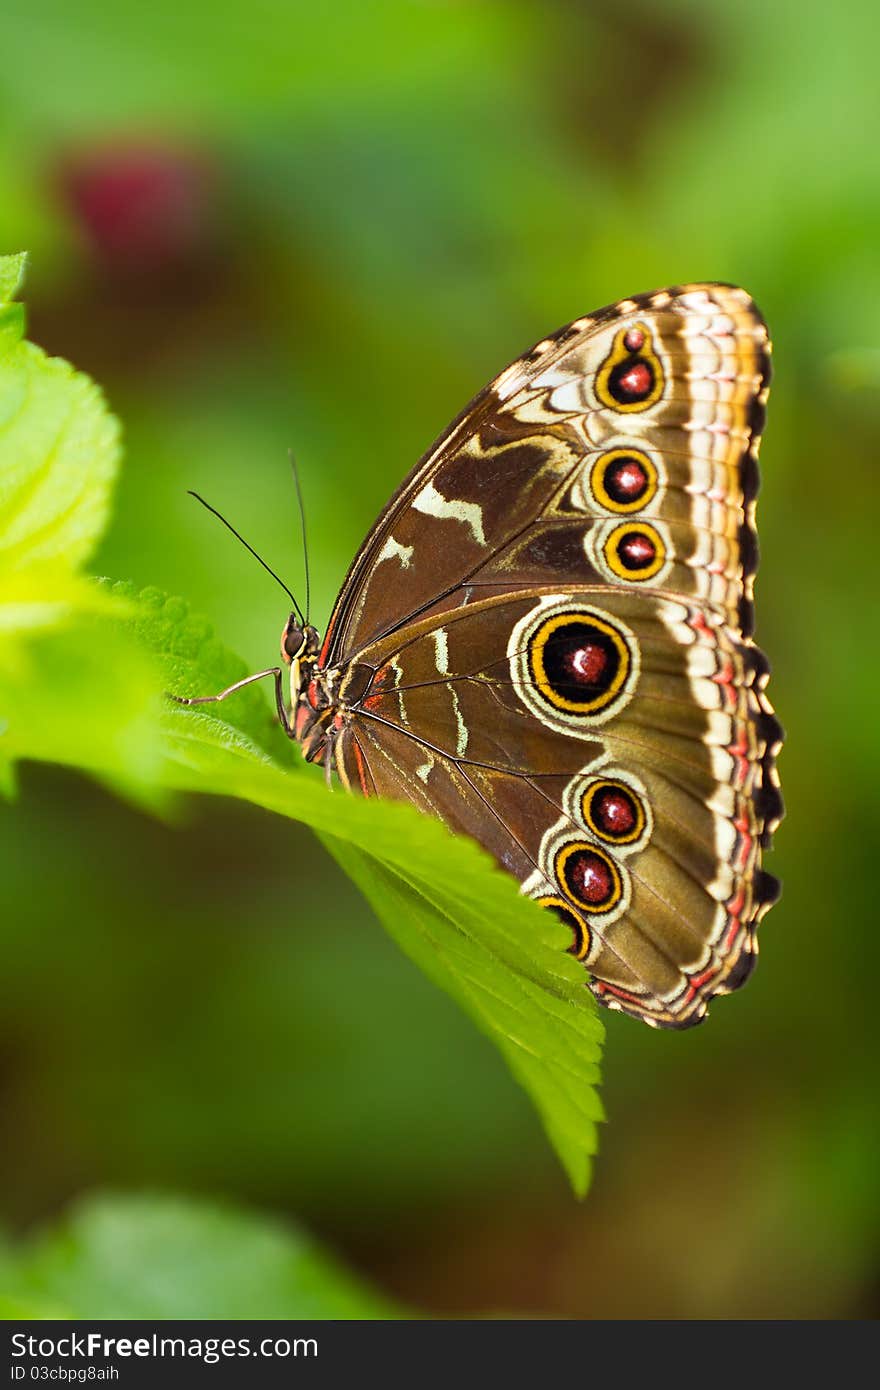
[746, 840]
[698, 622]
[602, 988]
[739, 752]
[734, 907]
[381, 684]
[724, 678]
[322, 658]
[361, 769]
[696, 982]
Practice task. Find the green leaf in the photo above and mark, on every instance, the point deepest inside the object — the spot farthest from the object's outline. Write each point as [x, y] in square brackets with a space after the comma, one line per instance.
[59, 448]
[444, 901]
[151, 1257]
[194, 662]
[74, 687]
[12, 270]
[86, 697]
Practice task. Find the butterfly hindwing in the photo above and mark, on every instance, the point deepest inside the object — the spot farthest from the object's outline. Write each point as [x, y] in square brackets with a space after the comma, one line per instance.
[484, 720]
[546, 641]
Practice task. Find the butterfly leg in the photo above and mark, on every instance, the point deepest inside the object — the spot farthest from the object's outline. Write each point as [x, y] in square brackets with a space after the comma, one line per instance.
[328, 757]
[274, 671]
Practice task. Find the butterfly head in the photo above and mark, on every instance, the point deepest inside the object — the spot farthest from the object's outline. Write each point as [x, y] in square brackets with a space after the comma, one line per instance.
[299, 641]
[300, 644]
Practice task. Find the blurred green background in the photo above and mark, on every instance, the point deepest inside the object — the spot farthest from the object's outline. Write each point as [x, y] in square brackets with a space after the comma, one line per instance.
[280, 224]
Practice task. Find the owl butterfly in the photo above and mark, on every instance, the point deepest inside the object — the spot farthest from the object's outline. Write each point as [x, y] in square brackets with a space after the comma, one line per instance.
[546, 642]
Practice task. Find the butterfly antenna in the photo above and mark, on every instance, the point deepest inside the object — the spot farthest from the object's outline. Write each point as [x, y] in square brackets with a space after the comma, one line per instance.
[259, 558]
[302, 517]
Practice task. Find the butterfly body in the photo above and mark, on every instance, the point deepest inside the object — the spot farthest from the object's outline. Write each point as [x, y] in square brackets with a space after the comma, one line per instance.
[546, 641]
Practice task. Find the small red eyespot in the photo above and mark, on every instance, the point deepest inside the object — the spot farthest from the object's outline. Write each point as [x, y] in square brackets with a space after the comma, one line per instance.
[613, 811]
[636, 381]
[634, 340]
[590, 878]
[585, 663]
[626, 480]
[636, 550]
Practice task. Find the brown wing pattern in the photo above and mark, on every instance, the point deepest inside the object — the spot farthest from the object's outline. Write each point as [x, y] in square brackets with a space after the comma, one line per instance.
[550, 627]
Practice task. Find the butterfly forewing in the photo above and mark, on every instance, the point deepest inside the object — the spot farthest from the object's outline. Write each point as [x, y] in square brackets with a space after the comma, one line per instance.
[546, 642]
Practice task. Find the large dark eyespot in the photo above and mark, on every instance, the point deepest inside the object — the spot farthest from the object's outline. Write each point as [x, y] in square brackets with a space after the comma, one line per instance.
[623, 480]
[631, 377]
[581, 935]
[573, 666]
[579, 662]
[292, 639]
[589, 876]
[613, 811]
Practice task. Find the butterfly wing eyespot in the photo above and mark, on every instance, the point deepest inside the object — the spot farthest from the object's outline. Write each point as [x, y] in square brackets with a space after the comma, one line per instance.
[635, 551]
[613, 811]
[582, 939]
[623, 480]
[589, 877]
[573, 664]
[578, 662]
[631, 378]
[610, 803]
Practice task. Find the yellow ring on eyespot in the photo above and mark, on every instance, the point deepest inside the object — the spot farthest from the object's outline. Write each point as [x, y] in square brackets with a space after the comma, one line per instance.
[600, 492]
[583, 942]
[611, 551]
[613, 785]
[621, 354]
[567, 852]
[538, 669]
